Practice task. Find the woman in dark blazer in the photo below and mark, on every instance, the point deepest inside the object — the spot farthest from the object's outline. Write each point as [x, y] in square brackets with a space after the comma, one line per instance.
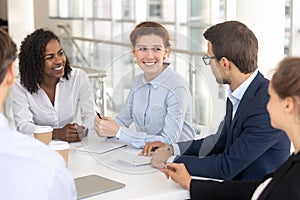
[284, 183]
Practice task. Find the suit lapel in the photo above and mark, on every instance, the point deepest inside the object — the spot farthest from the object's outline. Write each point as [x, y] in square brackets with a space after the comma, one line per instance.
[248, 97]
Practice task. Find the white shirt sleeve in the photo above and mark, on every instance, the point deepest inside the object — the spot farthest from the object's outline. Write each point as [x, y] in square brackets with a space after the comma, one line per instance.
[86, 102]
[23, 117]
[61, 187]
[176, 153]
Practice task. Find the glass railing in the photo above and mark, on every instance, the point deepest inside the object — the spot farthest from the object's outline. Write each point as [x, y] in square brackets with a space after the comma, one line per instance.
[111, 69]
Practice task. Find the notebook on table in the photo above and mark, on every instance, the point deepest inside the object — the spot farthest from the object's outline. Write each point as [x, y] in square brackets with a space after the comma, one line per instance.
[101, 147]
[90, 185]
[132, 160]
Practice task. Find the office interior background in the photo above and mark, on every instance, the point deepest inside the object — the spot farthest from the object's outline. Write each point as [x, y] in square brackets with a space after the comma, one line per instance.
[94, 34]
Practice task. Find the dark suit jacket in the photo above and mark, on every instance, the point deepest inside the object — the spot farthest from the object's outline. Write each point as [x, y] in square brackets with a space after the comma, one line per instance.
[247, 148]
[285, 184]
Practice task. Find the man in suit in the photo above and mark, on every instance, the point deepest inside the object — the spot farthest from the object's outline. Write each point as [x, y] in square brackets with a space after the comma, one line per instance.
[245, 146]
[284, 110]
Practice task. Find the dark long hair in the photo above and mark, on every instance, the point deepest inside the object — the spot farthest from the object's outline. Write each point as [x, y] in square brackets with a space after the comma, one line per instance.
[32, 61]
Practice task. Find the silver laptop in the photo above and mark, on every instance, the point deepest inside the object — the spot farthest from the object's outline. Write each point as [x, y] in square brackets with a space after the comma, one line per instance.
[90, 185]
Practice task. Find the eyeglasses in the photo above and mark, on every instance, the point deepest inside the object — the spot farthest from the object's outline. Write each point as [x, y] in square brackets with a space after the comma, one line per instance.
[153, 49]
[207, 59]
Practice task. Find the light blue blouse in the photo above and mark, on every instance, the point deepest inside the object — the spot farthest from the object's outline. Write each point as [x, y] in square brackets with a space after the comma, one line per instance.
[161, 110]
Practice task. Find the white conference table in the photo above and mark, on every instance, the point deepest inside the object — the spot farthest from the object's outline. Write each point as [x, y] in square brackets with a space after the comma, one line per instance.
[151, 185]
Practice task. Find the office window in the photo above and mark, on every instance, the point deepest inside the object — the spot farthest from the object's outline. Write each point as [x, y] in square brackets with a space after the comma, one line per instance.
[155, 8]
[222, 9]
[288, 28]
[66, 8]
[195, 8]
[53, 8]
[128, 9]
[103, 9]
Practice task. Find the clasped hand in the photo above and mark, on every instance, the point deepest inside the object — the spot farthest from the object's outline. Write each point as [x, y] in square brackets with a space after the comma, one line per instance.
[70, 133]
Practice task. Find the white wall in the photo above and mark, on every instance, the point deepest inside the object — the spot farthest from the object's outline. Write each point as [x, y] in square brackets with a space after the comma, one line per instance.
[267, 20]
[20, 18]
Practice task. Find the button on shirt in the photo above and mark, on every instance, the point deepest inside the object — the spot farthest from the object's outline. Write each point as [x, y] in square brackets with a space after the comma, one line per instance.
[161, 110]
[31, 170]
[71, 96]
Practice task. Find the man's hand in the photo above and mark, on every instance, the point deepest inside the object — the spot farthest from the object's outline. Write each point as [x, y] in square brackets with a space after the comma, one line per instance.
[161, 155]
[179, 174]
[150, 147]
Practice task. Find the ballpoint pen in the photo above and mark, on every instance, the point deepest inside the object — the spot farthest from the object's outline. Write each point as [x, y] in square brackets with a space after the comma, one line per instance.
[98, 114]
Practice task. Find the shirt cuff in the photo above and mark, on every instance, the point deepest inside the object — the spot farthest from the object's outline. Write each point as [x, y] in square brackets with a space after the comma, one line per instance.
[171, 159]
[118, 133]
[176, 149]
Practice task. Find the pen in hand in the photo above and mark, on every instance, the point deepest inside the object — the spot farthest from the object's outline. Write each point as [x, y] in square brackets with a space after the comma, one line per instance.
[98, 114]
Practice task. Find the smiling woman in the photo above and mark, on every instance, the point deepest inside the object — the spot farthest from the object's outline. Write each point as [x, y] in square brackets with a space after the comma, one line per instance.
[150, 53]
[159, 103]
[50, 92]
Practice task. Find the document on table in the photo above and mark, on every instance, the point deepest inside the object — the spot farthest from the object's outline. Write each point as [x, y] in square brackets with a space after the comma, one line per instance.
[133, 160]
[101, 147]
[117, 155]
[126, 160]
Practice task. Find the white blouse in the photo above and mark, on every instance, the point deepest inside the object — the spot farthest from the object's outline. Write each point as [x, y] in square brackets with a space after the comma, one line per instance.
[260, 189]
[71, 96]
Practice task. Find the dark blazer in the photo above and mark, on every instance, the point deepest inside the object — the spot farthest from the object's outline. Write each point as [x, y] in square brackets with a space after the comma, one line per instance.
[245, 148]
[285, 184]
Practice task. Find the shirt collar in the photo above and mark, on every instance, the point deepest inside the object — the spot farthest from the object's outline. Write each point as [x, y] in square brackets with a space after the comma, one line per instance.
[160, 78]
[239, 92]
[61, 79]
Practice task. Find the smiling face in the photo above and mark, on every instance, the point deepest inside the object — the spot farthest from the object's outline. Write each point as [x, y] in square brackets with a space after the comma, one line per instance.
[150, 52]
[55, 60]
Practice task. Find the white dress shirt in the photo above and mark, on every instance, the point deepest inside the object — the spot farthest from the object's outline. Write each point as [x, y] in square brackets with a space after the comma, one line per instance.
[31, 170]
[236, 96]
[71, 96]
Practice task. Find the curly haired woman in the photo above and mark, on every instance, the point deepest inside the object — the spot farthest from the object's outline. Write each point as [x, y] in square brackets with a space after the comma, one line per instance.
[50, 92]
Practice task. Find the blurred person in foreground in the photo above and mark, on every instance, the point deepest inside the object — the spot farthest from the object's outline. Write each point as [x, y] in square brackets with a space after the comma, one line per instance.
[29, 169]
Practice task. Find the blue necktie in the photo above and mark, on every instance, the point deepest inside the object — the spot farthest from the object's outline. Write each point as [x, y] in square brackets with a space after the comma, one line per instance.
[228, 111]
[228, 120]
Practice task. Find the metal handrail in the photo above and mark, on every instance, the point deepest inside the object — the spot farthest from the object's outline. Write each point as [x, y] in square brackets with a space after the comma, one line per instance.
[73, 43]
[192, 54]
[175, 50]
